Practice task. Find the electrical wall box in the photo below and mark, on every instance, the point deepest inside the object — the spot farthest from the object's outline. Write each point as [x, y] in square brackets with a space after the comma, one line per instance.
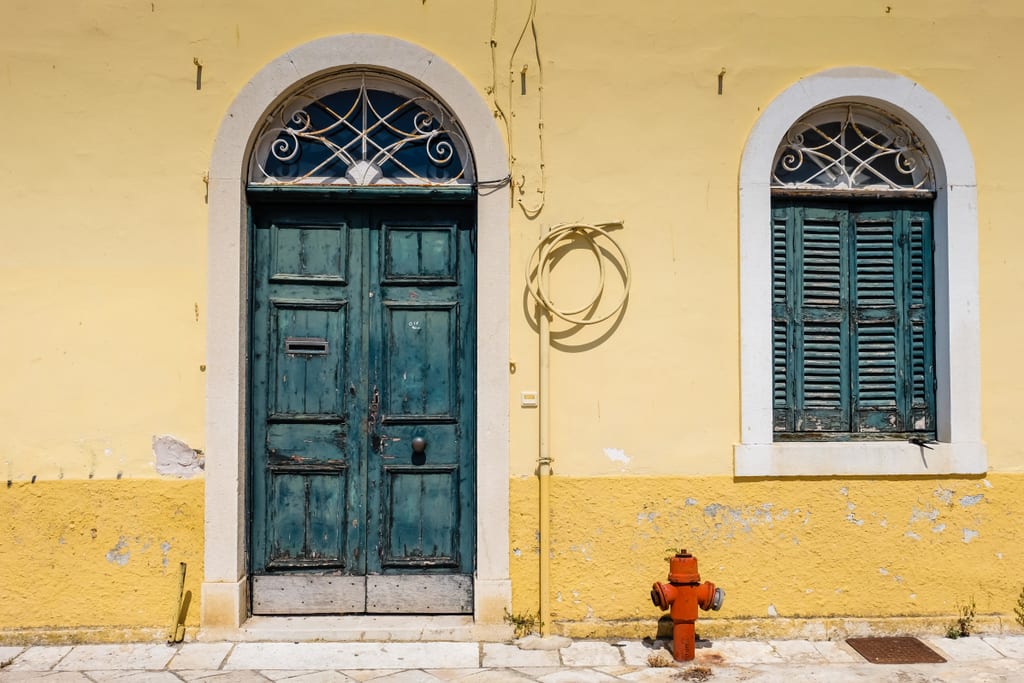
[528, 399]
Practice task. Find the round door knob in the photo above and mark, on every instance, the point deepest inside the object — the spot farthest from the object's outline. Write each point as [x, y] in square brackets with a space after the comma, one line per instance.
[419, 445]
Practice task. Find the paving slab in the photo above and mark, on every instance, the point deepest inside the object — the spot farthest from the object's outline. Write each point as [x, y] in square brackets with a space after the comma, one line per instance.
[617, 670]
[8, 653]
[196, 674]
[234, 677]
[637, 654]
[39, 658]
[408, 676]
[545, 643]
[496, 676]
[500, 655]
[1008, 646]
[740, 651]
[655, 674]
[801, 651]
[200, 656]
[108, 657]
[133, 676]
[535, 672]
[836, 652]
[313, 677]
[590, 653]
[962, 649]
[27, 676]
[577, 676]
[318, 656]
[453, 674]
[369, 674]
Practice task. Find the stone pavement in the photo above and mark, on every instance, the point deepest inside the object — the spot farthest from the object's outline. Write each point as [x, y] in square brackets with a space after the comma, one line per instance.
[553, 660]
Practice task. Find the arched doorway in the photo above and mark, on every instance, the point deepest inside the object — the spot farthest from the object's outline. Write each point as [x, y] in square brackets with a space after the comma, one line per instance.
[362, 359]
[226, 599]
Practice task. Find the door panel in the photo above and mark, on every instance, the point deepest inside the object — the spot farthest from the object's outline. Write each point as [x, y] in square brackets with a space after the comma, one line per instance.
[363, 385]
[307, 340]
[421, 516]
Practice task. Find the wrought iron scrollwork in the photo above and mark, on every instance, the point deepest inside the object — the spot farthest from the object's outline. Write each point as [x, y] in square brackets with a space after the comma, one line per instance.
[373, 131]
[852, 147]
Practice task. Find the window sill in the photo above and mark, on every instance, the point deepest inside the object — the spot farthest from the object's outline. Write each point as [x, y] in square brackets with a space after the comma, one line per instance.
[835, 459]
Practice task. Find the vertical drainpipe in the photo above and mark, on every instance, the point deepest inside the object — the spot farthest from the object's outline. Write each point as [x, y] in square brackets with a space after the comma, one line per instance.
[544, 451]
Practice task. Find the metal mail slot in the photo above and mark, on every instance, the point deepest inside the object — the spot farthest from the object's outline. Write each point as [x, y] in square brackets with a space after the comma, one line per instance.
[306, 346]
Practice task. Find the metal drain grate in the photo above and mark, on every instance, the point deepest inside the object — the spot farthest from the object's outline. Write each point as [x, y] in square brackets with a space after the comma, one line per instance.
[899, 650]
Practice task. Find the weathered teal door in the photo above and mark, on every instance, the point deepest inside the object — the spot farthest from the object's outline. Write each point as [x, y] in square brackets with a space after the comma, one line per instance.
[362, 407]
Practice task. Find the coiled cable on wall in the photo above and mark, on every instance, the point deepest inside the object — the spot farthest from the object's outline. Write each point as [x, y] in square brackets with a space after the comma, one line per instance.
[538, 267]
[540, 261]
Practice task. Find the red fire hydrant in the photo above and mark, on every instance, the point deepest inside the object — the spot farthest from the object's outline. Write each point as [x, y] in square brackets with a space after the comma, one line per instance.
[683, 594]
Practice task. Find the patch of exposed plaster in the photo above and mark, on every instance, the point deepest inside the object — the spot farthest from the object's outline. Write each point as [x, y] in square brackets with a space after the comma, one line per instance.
[945, 495]
[617, 455]
[911, 534]
[939, 528]
[691, 502]
[987, 483]
[970, 535]
[772, 612]
[968, 501]
[165, 547]
[726, 519]
[924, 515]
[850, 516]
[176, 458]
[883, 571]
[119, 554]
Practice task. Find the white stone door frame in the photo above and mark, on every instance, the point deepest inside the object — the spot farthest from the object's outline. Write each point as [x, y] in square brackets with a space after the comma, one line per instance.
[225, 582]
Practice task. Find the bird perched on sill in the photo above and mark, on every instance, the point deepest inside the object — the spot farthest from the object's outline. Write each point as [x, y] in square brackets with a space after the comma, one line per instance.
[922, 442]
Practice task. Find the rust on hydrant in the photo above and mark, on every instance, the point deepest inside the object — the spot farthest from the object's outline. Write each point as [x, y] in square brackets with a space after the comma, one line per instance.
[683, 594]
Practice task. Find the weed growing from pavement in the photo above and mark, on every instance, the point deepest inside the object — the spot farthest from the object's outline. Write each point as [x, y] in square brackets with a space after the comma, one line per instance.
[963, 625]
[523, 624]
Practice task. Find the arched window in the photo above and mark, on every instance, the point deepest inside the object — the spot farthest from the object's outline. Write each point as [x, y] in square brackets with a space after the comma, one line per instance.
[849, 139]
[853, 341]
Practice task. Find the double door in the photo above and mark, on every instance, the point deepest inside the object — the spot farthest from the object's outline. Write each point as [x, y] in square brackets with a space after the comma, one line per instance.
[362, 388]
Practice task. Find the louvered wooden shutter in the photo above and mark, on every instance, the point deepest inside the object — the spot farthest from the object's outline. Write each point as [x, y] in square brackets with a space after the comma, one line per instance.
[820, 360]
[852, 322]
[877, 326]
[921, 322]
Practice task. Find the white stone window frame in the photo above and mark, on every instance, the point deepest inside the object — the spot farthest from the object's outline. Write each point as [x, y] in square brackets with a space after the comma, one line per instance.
[225, 603]
[957, 335]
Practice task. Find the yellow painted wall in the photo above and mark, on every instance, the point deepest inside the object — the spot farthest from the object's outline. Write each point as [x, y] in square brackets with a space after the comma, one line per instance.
[103, 283]
[98, 560]
[782, 550]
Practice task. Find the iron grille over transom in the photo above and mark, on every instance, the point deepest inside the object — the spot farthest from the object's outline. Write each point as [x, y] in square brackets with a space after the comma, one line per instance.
[364, 129]
[852, 148]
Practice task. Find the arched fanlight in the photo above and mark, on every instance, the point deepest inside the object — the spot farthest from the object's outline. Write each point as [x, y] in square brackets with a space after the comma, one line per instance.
[851, 148]
[362, 129]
